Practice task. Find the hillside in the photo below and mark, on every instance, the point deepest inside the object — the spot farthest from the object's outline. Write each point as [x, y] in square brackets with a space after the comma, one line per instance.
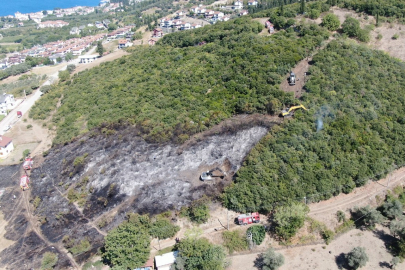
[171, 93]
[353, 132]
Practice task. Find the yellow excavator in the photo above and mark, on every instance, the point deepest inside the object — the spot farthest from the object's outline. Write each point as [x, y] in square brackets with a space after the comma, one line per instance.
[290, 111]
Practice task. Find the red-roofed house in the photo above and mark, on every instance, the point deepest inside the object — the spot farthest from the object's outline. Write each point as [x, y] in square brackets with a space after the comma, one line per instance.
[151, 41]
[6, 146]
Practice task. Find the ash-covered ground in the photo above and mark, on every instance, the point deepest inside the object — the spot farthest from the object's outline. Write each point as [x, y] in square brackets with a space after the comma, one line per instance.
[88, 186]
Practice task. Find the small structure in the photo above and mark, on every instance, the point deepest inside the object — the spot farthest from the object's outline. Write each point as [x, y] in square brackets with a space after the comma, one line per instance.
[165, 261]
[151, 41]
[74, 31]
[269, 26]
[7, 102]
[238, 4]
[6, 146]
[253, 3]
[57, 58]
[243, 12]
[157, 33]
[148, 265]
[84, 59]
[123, 43]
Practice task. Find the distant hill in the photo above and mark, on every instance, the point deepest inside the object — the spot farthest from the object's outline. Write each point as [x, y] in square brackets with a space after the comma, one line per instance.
[170, 93]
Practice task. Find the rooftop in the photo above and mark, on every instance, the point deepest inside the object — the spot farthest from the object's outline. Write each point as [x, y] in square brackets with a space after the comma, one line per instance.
[4, 141]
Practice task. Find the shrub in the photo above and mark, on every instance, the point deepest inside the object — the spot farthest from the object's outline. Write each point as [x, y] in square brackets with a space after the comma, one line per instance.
[351, 27]
[198, 212]
[29, 126]
[234, 241]
[289, 219]
[26, 153]
[345, 226]
[341, 216]
[396, 36]
[83, 246]
[328, 235]
[163, 228]
[49, 260]
[272, 260]
[258, 233]
[357, 257]
[331, 22]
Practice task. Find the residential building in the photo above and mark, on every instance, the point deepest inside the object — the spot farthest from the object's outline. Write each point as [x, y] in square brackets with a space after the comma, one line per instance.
[59, 56]
[74, 31]
[7, 102]
[238, 4]
[123, 43]
[6, 146]
[165, 261]
[52, 24]
[84, 59]
[253, 3]
[157, 33]
[243, 12]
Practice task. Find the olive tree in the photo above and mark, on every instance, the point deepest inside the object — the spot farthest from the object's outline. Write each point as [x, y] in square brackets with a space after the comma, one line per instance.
[357, 257]
[272, 260]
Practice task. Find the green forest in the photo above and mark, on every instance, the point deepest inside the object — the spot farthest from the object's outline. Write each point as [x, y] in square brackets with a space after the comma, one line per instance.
[170, 92]
[353, 132]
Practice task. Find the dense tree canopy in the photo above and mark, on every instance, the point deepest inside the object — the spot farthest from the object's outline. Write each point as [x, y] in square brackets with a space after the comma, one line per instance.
[171, 92]
[199, 254]
[353, 131]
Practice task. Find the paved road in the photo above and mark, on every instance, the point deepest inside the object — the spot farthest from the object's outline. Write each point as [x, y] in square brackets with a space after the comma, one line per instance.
[25, 105]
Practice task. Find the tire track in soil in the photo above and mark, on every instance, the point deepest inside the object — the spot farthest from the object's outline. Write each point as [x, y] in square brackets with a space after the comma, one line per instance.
[32, 226]
[359, 196]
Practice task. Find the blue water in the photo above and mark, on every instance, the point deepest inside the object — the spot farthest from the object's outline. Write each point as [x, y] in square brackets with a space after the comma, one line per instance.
[9, 7]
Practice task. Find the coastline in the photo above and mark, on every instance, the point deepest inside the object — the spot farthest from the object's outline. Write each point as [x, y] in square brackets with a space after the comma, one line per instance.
[24, 7]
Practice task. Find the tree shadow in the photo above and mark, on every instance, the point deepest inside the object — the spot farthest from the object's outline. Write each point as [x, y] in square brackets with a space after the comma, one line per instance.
[258, 263]
[341, 261]
[385, 265]
[390, 242]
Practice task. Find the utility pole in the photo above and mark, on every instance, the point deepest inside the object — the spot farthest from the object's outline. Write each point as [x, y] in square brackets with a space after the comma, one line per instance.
[227, 218]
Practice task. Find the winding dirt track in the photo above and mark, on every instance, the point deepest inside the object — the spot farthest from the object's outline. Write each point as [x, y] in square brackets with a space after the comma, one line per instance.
[33, 225]
[326, 210]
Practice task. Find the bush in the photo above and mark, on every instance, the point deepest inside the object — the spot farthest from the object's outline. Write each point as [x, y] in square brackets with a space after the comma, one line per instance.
[314, 13]
[341, 216]
[272, 260]
[49, 260]
[392, 209]
[234, 241]
[357, 257]
[83, 246]
[289, 219]
[396, 36]
[199, 254]
[331, 22]
[258, 233]
[368, 216]
[351, 27]
[29, 126]
[163, 228]
[328, 236]
[26, 152]
[198, 212]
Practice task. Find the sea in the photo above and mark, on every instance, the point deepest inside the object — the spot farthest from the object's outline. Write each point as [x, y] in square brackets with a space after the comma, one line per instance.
[9, 7]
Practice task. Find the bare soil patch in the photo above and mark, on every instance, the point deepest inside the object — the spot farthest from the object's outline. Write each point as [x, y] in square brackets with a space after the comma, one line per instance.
[109, 57]
[328, 257]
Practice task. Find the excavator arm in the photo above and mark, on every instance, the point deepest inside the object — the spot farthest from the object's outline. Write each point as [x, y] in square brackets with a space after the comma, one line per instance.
[293, 108]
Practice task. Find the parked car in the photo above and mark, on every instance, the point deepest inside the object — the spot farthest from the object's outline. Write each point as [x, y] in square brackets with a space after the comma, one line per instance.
[6, 128]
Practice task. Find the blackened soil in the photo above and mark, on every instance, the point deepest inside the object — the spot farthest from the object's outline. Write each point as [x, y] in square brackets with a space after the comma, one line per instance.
[99, 179]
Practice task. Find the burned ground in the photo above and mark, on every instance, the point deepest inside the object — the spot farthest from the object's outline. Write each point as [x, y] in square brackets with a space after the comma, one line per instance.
[87, 187]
